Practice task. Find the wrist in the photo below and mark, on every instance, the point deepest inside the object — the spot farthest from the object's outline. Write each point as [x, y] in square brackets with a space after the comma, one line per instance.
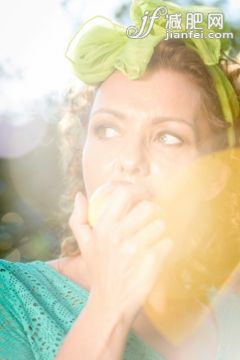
[109, 329]
[109, 312]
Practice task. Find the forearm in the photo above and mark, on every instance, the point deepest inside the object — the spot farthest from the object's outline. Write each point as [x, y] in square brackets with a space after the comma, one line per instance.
[97, 334]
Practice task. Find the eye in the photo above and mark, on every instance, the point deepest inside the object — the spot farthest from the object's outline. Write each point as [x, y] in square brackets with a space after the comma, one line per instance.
[106, 131]
[168, 139]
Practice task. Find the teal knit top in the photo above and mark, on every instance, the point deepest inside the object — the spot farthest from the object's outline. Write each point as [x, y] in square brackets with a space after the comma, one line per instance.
[38, 306]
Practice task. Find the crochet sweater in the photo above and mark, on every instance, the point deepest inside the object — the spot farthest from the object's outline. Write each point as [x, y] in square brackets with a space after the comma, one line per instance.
[38, 306]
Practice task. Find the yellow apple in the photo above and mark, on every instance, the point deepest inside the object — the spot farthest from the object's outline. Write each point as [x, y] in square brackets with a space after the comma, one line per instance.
[97, 203]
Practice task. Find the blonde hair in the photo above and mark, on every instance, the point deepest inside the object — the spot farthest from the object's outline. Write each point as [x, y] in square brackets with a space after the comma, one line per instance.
[171, 54]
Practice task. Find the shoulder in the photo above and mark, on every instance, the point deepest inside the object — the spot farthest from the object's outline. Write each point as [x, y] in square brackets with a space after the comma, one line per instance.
[41, 278]
[28, 290]
[4, 265]
[15, 269]
[19, 277]
[9, 290]
[7, 270]
[12, 276]
[9, 266]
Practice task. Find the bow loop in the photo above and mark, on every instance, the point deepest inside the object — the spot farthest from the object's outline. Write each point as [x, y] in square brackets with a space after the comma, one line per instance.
[94, 49]
[135, 56]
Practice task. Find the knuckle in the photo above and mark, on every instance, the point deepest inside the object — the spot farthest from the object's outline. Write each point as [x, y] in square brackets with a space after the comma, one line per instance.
[159, 225]
[102, 235]
[148, 206]
[128, 249]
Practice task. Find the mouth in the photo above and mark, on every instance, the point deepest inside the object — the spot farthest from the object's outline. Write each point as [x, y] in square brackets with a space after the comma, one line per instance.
[114, 184]
[121, 183]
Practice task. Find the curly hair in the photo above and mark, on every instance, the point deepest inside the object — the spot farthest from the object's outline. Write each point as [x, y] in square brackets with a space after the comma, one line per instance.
[170, 54]
[72, 133]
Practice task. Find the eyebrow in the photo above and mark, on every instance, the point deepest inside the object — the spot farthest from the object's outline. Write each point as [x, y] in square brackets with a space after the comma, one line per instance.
[155, 119]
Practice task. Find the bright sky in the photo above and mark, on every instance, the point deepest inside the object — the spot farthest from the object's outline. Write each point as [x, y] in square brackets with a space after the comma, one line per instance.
[33, 38]
[234, 10]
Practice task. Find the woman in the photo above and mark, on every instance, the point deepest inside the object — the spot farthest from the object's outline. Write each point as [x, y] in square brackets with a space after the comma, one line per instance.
[140, 134]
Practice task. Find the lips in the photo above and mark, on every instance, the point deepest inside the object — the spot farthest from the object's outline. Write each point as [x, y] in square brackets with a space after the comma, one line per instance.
[144, 192]
[114, 184]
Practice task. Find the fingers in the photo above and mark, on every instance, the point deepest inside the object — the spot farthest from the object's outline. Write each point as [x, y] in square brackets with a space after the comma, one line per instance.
[153, 263]
[161, 252]
[157, 256]
[141, 228]
[81, 207]
[145, 238]
[78, 222]
[140, 215]
[121, 200]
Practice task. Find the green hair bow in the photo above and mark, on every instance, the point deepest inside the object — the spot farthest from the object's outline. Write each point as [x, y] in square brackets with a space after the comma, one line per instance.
[101, 46]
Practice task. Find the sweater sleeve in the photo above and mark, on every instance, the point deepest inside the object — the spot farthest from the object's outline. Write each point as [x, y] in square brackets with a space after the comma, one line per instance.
[13, 342]
[38, 307]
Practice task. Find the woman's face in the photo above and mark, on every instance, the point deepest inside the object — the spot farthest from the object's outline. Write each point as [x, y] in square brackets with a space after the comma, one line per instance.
[143, 131]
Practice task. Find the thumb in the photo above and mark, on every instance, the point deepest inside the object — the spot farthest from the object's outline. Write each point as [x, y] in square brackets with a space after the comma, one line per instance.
[81, 208]
[78, 222]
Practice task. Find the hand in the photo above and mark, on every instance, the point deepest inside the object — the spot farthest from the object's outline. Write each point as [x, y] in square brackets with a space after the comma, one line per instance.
[125, 251]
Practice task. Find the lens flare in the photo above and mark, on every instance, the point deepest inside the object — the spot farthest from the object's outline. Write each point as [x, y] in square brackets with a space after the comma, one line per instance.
[201, 207]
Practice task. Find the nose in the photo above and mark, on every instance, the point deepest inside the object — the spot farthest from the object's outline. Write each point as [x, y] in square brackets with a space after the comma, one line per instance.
[133, 159]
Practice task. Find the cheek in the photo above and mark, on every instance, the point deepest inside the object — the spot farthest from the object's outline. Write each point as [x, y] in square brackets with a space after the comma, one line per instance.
[165, 178]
